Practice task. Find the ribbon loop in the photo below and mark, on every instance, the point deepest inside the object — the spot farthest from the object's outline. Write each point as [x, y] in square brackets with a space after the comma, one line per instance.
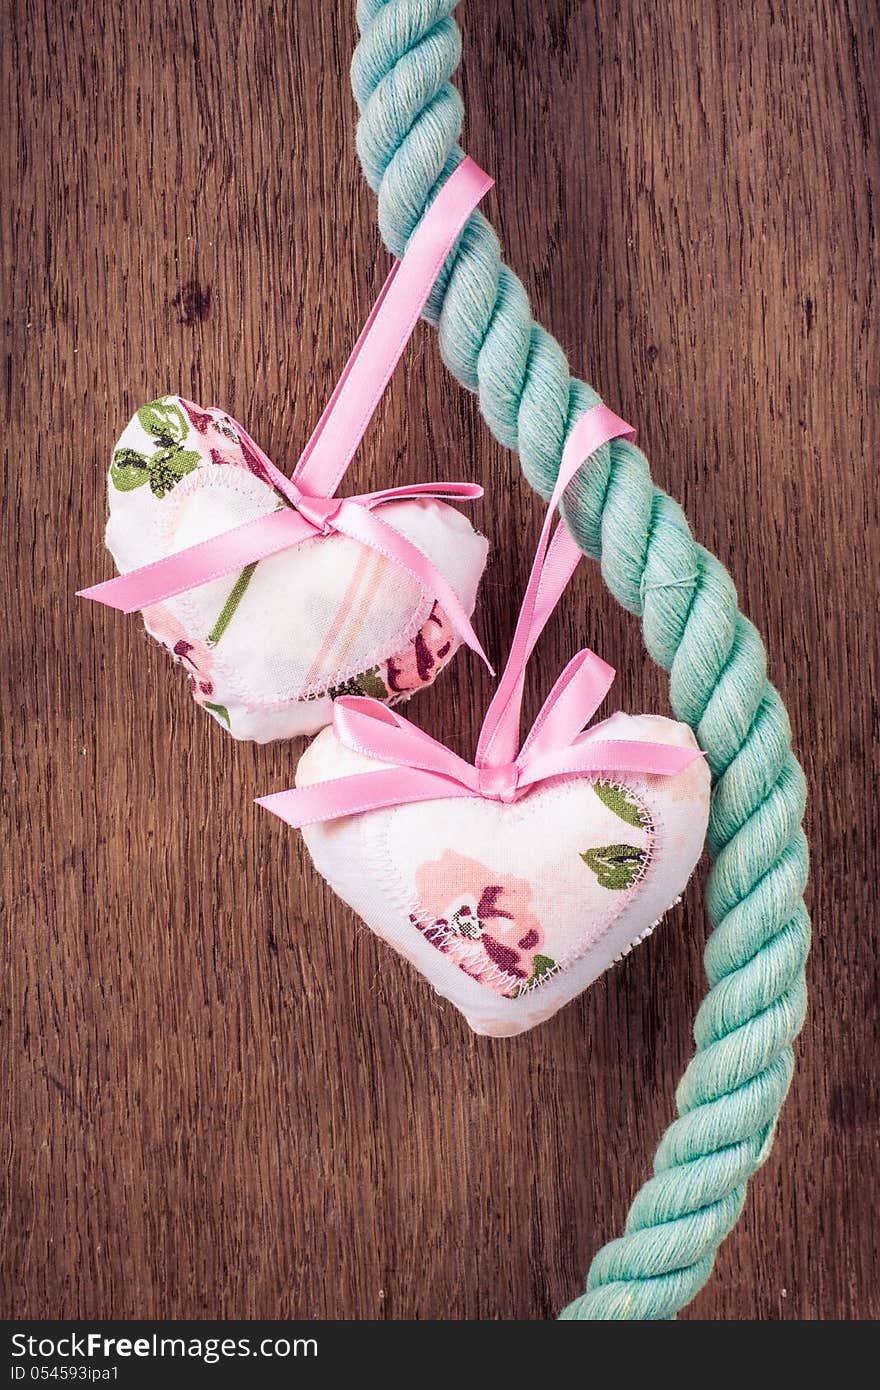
[368, 726]
[571, 704]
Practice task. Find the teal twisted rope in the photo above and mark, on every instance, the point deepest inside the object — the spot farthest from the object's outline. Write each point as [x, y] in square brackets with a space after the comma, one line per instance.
[730, 1096]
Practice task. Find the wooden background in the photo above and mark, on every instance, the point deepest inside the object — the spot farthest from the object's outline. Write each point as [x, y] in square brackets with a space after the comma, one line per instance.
[225, 1098]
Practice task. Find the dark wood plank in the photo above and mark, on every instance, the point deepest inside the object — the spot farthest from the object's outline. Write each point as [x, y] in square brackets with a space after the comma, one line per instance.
[225, 1098]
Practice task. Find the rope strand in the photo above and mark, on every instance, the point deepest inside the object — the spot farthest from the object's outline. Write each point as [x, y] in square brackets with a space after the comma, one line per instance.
[732, 1091]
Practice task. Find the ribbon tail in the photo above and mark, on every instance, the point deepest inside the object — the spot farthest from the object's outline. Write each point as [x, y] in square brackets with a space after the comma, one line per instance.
[364, 791]
[199, 564]
[367, 527]
[442, 492]
[610, 756]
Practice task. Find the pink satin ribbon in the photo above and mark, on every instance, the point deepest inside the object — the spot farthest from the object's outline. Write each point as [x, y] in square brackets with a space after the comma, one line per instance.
[424, 770]
[313, 509]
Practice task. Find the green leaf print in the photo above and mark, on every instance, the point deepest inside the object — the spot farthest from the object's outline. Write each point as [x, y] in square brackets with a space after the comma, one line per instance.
[371, 683]
[164, 421]
[221, 711]
[615, 866]
[621, 803]
[167, 467]
[542, 966]
[129, 470]
[367, 683]
[169, 462]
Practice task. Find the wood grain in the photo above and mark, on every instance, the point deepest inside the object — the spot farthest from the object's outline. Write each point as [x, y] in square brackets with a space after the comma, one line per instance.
[224, 1097]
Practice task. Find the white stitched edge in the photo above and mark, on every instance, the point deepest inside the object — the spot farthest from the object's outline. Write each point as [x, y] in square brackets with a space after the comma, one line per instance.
[389, 882]
[222, 674]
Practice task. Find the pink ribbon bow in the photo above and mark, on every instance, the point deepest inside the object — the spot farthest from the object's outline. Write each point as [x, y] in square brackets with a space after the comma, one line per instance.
[313, 509]
[422, 769]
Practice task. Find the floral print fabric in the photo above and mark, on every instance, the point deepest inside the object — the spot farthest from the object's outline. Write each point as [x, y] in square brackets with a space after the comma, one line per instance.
[263, 656]
[485, 921]
[510, 910]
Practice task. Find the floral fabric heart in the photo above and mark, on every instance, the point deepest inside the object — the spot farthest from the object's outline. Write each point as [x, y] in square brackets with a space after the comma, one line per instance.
[268, 648]
[510, 911]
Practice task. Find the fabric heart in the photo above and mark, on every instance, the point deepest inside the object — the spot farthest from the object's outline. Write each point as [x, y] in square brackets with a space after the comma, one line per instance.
[509, 911]
[275, 594]
[266, 649]
[513, 881]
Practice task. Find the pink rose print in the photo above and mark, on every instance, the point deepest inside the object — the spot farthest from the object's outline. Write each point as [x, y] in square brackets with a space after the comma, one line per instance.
[192, 655]
[200, 420]
[425, 657]
[483, 920]
[219, 434]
